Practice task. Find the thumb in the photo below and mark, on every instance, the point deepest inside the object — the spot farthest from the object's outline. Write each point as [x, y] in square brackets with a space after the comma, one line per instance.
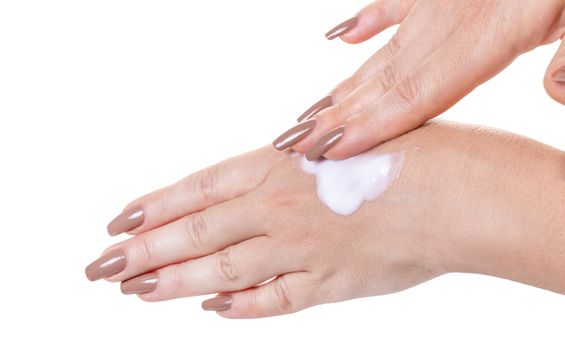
[554, 80]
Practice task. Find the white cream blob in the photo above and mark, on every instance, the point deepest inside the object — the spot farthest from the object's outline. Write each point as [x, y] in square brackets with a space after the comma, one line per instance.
[343, 185]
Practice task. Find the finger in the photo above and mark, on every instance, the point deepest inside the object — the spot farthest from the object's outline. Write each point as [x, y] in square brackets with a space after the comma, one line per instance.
[372, 19]
[407, 60]
[364, 73]
[443, 79]
[382, 57]
[554, 81]
[195, 235]
[285, 294]
[372, 66]
[236, 267]
[226, 180]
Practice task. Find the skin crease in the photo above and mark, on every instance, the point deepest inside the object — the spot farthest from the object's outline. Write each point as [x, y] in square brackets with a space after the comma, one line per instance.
[469, 199]
[442, 50]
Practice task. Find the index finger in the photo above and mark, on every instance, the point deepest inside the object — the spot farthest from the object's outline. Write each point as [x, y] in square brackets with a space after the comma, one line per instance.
[226, 180]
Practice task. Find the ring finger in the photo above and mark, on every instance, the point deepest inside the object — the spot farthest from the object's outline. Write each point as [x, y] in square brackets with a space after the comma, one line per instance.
[192, 236]
[234, 268]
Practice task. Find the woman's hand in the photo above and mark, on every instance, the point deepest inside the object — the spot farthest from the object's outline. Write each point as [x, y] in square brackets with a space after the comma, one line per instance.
[441, 51]
[486, 203]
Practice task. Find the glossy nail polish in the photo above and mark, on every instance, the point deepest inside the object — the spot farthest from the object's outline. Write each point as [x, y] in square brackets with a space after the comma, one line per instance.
[140, 284]
[294, 135]
[107, 265]
[559, 77]
[126, 221]
[325, 143]
[316, 107]
[219, 303]
[342, 28]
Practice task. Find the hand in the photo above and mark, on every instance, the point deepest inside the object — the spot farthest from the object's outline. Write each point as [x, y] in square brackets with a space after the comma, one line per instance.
[485, 204]
[441, 52]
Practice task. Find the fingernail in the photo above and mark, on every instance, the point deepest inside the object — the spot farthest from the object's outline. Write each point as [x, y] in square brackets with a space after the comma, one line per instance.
[126, 221]
[559, 77]
[107, 265]
[140, 284]
[316, 107]
[325, 143]
[294, 135]
[219, 303]
[341, 28]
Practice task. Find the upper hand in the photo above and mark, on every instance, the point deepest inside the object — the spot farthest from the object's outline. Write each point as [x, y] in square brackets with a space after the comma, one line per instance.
[441, 51]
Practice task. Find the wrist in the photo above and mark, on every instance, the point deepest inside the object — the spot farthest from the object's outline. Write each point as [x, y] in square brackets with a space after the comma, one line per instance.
[515, 217]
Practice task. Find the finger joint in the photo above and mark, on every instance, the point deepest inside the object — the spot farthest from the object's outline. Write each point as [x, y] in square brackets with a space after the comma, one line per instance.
[282, 295]
[196, 232]
[226, 265]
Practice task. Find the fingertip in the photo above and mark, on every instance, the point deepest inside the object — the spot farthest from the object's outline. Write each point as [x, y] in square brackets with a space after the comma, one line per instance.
[554, 84]
[355, 36]
[357, 138]
[364, 29]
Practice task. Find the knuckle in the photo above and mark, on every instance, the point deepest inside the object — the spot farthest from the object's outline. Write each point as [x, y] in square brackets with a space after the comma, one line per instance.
[408, 91]
[283, 199]
[387, 79]
[147, 249]
[177, 279]
[195, 231]
[207, 183]
[393, 45]
[281, 293]
[226, 265]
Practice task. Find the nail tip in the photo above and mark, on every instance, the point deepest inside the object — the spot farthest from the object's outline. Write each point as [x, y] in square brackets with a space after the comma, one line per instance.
[106, 266]
[310, 158]
[216, 304]
[91, 279]
[332, 36]
[140, 285]
[277, 146]
[126, 221]
[317, 107]
[342, 28]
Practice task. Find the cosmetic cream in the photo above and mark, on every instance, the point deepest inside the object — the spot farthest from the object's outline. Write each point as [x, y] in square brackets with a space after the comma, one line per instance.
[343, 185]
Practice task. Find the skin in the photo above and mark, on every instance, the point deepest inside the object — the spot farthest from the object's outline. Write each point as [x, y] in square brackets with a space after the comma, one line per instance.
[468, 199]
[441, 51]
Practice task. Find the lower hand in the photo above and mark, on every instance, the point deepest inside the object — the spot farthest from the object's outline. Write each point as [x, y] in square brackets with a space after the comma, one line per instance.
[468, 207]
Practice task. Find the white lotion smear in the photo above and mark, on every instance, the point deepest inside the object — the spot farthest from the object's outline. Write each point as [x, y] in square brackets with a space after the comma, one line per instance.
[343, 185]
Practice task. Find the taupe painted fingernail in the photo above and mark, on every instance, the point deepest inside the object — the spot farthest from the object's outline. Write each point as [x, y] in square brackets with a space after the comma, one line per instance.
[107, 265]
[324, 103]
[140, 284]
[294, 135]
[219, 303]
[126, 221]
[325, 143]
[559, 77]
[342, 28]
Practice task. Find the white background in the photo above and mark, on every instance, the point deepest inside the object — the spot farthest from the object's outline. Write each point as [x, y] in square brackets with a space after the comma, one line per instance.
[103, 101]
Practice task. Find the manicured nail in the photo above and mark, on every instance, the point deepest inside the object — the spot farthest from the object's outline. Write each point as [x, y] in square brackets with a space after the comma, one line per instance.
[341, 28]
[559, 77]
[140, 284]
[294, 135]
[126, 221]
[325, 143]
[107, 265]
[316, 107]
[219, 303]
